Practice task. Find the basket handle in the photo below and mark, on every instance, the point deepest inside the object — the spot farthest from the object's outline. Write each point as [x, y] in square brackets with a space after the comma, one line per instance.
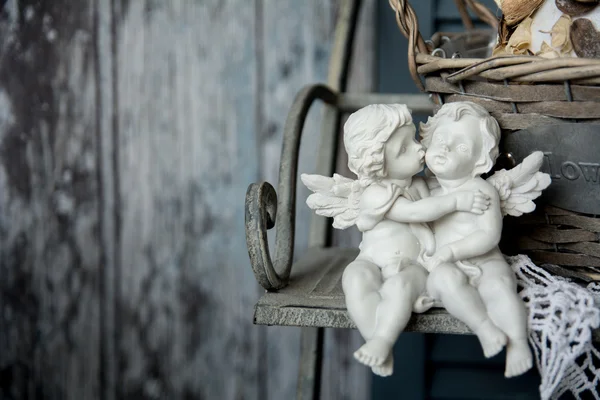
[407, 21]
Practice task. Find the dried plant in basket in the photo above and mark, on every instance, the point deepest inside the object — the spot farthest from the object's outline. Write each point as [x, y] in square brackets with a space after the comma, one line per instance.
[516, 11]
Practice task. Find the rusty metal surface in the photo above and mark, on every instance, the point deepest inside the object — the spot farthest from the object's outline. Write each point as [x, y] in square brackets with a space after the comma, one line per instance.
[264, 209]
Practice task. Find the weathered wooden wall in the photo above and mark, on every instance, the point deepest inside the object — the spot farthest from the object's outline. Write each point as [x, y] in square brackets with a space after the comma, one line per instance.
[129, 131]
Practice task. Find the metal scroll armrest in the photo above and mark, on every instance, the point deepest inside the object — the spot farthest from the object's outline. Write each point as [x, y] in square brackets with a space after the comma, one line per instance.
[265, 210]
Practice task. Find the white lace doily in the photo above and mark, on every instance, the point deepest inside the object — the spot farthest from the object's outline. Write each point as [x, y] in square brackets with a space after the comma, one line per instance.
[562, 316]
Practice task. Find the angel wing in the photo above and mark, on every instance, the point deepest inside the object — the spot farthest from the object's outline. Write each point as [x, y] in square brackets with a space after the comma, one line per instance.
[336, 197]
[519, 186]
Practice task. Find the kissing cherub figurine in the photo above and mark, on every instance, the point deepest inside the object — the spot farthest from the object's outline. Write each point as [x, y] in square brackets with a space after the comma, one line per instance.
[388, 205]
[468, 273]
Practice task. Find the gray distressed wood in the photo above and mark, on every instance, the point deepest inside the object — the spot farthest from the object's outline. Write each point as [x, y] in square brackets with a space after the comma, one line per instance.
[310, 366]
[50, 201]
[524, 121]
[578, 221]
[296, 39]
[129, 133]
[187, 147]
[513, 93]
[565, 259]
[315, 298]
[109, 195]
[343, 377]
[552, 234]
[418, 103]
[558, 109]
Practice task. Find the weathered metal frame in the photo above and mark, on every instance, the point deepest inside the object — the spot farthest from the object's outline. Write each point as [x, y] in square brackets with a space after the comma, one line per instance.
[264, 210]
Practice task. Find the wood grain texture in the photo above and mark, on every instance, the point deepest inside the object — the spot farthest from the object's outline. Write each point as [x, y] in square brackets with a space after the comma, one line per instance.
[129, 132]
[513, 93]
[49, 202]
[295, 39]
[564, 259]
[343, 376]
[187, 150]
[558, 109]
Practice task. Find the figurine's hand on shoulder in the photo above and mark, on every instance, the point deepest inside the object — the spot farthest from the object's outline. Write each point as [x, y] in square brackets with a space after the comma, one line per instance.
[475, 202]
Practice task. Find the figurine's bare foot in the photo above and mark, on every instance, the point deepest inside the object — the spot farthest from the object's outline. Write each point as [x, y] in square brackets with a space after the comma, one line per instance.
[518, 358]
[385, 369]
[492, 339]
[374, 352]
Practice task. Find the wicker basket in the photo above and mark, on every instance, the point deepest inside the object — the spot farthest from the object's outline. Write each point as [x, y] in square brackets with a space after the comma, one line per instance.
[520, 92]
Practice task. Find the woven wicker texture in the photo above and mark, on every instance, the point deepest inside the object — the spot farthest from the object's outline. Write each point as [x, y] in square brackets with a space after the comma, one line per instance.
[520, 92]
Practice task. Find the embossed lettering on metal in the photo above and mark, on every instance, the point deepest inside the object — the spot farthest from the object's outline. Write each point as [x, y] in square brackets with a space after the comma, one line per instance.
[572, 158]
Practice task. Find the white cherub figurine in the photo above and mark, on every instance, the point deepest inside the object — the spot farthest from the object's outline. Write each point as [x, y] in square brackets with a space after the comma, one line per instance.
[388, 205]
[468, 273]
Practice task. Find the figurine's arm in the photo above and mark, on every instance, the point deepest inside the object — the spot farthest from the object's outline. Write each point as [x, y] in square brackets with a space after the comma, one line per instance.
[433, 208]
[421, 186]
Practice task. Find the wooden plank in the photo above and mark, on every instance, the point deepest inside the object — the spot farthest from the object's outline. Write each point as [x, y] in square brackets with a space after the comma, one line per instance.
[523, 121]
[513, 122]
[513, 93]
[578, 221]
[436, 321]
[592, 249]
[577, 273]
[187, 150]
[558, 109]
[552, 235]
[311, 350]
[551, 210]
[527, 243]
[342, 375]
[418, 103]
[296, 42]
[108, 187]
[50, 255]
[564, 259]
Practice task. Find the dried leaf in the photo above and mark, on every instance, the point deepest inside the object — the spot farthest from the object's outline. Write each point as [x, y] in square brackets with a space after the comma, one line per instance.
[547, 51]
[520, 40]
[499, 50]
[560, 35]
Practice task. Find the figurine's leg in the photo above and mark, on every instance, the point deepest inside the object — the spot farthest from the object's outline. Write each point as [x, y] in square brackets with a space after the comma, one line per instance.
[498, 289]
[450, 285]
[398, 294]
[361, 282]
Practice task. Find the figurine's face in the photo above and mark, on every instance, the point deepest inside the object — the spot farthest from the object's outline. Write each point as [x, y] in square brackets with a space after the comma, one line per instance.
[404, 156]
[455, 148]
